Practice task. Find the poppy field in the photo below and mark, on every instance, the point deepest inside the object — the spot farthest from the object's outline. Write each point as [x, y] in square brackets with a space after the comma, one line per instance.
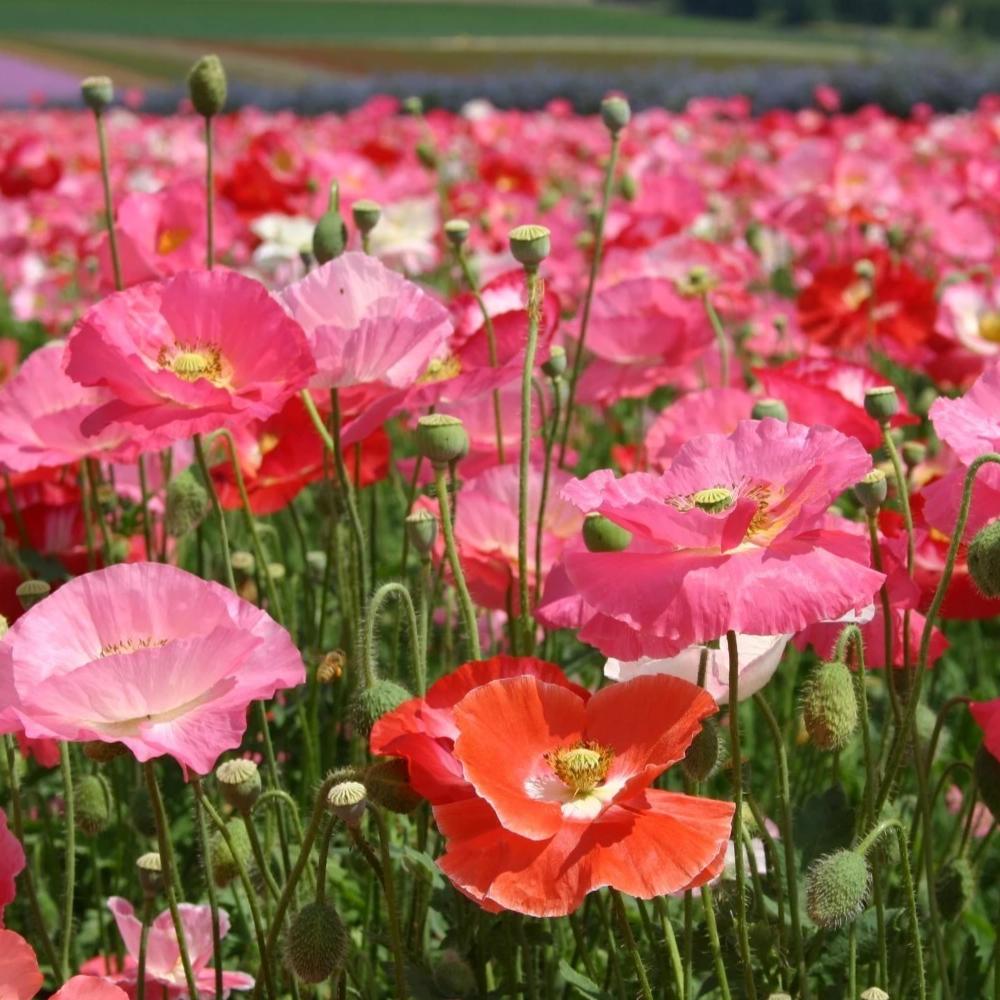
[499, 553]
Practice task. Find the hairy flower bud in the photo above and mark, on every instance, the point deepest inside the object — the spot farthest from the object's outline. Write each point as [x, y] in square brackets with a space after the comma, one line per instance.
[97, 92]
[600, 534]
[371, 703]
[207, 86]
[703, 754]
[837, 888]
[316, 943]
[984, 559]
[239, 783]
[830, 706]
[881, 403]
[442, 438]
[30, 592]
[954, 887]
[187, 504]
[92, 801]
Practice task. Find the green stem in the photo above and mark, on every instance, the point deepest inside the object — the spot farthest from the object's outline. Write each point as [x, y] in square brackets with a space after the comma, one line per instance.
[671, 939]
[888, 667]
[720, 338]
[69, 872]
[209, 196]
[147, 919]
[389, 888]
[147, 525]
[260, 859]
[220, 514]
[630, 946]
[546, 476]
[213, 897]
[109, 211]
[708, 903]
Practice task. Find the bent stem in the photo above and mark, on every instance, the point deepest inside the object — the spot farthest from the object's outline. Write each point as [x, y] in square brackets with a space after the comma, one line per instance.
[387, 590]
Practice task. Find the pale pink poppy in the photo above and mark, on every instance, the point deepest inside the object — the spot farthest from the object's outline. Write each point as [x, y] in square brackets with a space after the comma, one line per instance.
[970, 315]
[732, 536]
[199, 351]
[20, 977]
[711, 411]
[367, 325]
[163, 958]
[146, 655]
[11, 864]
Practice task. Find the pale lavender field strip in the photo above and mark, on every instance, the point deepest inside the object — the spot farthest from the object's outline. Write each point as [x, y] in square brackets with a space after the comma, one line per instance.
[22, 79]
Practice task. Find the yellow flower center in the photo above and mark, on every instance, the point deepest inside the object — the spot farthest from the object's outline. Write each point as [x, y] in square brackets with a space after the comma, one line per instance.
[856, 293]
[131, 645]
[441, 369]
[989, 327]
[191, 363]
[714, 500]
[581, 767]
[172, 239]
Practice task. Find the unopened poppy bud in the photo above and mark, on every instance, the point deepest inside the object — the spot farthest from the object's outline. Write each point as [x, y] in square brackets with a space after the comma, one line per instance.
[366, 215]
[150, 870]
[914, 452]
[441, 438]
[837, 888]
[224, 862]
[530, 245]
[30, 592]
[207, 86]
[830, 706]
[456, 231]
[874, 993]
[412, 105]
[421, 527]
[92, 801]
[703, 753]
[881, 403]
[97, 92]
[330, 234]
[984, 559]
[347, 800]
[987, 770]
[371, 703]
[601, 534]
[453, 976]
[954, 887]
[388, 785]
[239, 783]
[332, 667]
[872, 491]
[555, 366]
[629, 187]
[187, 504]
[316, 943]
[243, 563]
[615, 113]
[769, 408]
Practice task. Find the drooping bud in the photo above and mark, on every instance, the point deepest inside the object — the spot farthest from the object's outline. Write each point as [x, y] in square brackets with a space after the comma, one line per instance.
[881, 403]
[347, 800]
[442, 438]
[769, 408]
[615, 113]
[555, 366]
[239, 783]
[987, 770]
[456, 231]
[601, 534]
[30, 592]
[330, 235]
[421, 527]
[530, 245]
[837, 888]
[97, 92]
[984, 559]
[371, 703]
[366, 215]
[872, 491]
[388, 785]
[830, 706]
[150, 870]
[703, 753]
[954, 887]
[207, 86]
[187, 504]
[453, 976]
[92, 801]
[223, 861]
[316, 943]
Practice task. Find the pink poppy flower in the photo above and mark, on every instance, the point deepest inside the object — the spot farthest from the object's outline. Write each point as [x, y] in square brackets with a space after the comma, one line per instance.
[89, 988]
[146, 655]
[732, 536]
[711, 411]
[11, 863]
[970, 315]
[199, 351]
[20, 977]
[367, 325]
[163, 958]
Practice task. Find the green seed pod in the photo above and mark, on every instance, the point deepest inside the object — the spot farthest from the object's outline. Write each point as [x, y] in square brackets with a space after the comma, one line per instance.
[987, 771]
[330, 235]
[442, 438]
[984, 559]
[702, 755]
[187, 504]
[954, 887]
[530, 245]
[881, 403]
[453, 976]
[97, 92]
[316, 943]
[615, 113]
[872, 491]
[92, 801]
[207, 86]
[30, 592]
[769, 408]
[140, 811]
[223, 862]
[371, 703]
[421, 526]
[837, 888]
[456, 231]
[830, 706]
[914, 452]
[557, 363]
[366, 215]
[388, 785]
[347, 800]
[600, 534]
[150, 870]
[239, 783]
